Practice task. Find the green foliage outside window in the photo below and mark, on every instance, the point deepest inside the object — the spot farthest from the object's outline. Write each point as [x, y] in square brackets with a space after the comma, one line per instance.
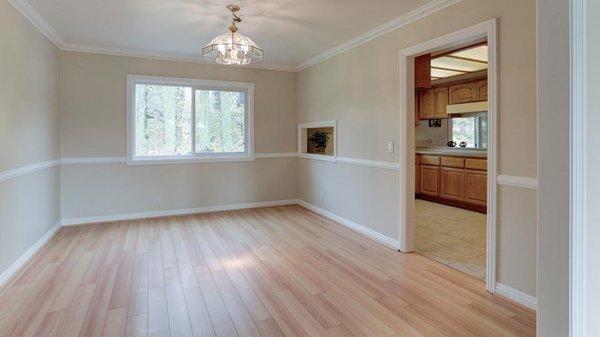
[163, 117]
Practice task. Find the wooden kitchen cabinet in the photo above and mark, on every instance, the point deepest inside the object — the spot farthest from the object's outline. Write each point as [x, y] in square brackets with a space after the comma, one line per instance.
[463, 93]
[417, 178]
[440, 100]
[430, 180]
[482, 90]
[431, 103]
[476, 187]
[453, 180]
[452, 184]
[425, 104]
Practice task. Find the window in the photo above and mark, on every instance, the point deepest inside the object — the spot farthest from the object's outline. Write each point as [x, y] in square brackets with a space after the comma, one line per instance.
[185, 120]
[470, 129]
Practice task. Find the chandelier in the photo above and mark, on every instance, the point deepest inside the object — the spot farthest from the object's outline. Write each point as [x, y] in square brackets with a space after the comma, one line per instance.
[233, 47]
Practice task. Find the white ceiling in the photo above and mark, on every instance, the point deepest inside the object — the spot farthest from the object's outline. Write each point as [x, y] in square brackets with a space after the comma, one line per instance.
[291, 32]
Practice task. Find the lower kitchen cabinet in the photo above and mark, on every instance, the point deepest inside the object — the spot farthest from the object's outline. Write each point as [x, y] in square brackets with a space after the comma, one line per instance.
[453, 183]
[459, 180]
[476, 183]
[417, 179]
[430, 180]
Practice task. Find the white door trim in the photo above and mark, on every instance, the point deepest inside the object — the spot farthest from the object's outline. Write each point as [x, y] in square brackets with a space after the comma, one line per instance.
[485, 30]
[578, 175]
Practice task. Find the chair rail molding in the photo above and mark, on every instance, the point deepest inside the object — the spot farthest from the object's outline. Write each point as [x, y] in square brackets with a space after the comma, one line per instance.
[513, 181]
[27, 169]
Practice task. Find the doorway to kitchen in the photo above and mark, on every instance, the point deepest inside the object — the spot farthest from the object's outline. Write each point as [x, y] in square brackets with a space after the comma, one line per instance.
[448, 156]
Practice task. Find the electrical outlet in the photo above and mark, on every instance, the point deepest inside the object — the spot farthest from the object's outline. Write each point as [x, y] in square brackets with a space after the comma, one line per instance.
[156, 200]
[322, 197]
[390, 147]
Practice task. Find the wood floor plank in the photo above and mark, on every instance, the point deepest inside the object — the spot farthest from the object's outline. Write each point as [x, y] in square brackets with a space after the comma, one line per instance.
[77, 313]
[137, 326]
[271, 272]
[115, 322]
[219, 316]
[158, 313]
[199, 317]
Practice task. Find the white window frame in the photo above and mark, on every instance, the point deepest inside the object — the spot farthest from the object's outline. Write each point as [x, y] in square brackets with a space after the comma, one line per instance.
[195, 84]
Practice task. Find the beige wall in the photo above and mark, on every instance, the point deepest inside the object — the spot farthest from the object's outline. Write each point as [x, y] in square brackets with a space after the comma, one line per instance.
[359, 88]
[29, 204]
[93, 124]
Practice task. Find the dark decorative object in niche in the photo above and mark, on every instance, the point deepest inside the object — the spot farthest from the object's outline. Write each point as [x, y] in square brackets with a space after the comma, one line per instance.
[451, 143]
[435, 123]
[319, 139]
[462, 144]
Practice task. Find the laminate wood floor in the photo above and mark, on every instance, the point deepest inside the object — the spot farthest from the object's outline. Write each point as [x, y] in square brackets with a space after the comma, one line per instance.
[267, 272]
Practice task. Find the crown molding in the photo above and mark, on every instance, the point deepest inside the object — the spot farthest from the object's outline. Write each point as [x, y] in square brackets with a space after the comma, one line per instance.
[43, 26]
[412, 16]
[165, 57]
[38, 21]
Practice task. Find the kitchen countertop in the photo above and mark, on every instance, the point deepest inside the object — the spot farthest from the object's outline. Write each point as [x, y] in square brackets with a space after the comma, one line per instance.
[451, 151]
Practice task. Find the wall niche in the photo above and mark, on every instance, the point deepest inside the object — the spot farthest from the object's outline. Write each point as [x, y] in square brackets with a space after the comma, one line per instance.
[317, 139]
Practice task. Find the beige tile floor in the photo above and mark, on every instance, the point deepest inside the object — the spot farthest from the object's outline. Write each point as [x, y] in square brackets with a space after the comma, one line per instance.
[452, 236]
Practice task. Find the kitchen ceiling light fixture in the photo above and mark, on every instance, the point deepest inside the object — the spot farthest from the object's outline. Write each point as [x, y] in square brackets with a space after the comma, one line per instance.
[232, 47]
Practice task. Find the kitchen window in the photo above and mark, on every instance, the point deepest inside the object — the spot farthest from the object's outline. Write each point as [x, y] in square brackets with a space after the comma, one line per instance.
[472, 129]
[188, 120]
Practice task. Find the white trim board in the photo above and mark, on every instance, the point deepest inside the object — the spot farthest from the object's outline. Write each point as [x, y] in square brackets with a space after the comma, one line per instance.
[513, 181]
[580, 291]
[275, 155]
[412, 16]
[28, 169]
[485, 30]
[517, 296]
[43, 26]
[14, 268]
[167, 57]
[367, 232]
[38, 21]
[173, 212]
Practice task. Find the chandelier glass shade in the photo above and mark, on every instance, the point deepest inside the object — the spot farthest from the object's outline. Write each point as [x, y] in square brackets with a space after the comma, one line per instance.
[232, 47]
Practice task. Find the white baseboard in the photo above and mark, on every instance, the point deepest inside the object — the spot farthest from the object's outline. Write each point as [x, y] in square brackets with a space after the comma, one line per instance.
[371, 234]
[174, 212]
[23, 259]
[517, 296]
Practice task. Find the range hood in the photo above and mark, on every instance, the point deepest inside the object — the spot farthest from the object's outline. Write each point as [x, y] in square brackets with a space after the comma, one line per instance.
[466, 108]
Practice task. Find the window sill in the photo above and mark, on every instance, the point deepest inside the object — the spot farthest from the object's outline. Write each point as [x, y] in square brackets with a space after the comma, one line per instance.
[189, 160]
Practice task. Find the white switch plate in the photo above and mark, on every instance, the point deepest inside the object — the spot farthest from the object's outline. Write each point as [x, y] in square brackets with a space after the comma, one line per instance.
[390, 147]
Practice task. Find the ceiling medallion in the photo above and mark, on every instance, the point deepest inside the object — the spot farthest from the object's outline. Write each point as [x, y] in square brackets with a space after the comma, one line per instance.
[233, 47]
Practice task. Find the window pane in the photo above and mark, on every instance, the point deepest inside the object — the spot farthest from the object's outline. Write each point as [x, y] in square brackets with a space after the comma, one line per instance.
[483, 132]
[463, 130]
[163, 120]
[220, 119]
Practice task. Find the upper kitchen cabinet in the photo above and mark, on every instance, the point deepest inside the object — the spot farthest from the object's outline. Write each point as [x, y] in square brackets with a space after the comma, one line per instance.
[463, 93]
[440, 100]
[482, 90]
[431, 103]
[454, 77]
